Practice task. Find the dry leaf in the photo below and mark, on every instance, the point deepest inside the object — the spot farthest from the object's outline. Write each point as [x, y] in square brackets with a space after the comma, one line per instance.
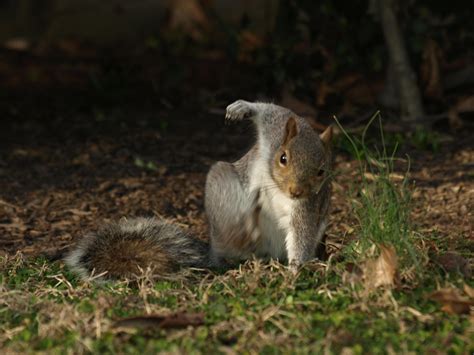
[452, 301]
[381, 271]
[78, 212]
[176, 320]
[394, 177]
[188, 16]
[377, 163]
[420, 316]
[370, 176]
[17, 44]
[347, 228]
[469, 291]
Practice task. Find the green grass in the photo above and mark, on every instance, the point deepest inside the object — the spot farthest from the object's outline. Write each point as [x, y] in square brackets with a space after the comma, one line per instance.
[259, 307]
[381, 199]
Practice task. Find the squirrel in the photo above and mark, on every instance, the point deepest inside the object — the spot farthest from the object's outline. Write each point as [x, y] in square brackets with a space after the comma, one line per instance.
[271, 203]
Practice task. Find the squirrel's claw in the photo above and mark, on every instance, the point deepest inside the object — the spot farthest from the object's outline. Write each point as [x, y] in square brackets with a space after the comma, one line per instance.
[239, 110]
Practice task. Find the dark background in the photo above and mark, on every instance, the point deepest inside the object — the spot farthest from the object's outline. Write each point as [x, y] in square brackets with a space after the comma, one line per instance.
[322, 58]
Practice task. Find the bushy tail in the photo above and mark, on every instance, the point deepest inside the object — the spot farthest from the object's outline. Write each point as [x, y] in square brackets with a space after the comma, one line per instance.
[123, 249]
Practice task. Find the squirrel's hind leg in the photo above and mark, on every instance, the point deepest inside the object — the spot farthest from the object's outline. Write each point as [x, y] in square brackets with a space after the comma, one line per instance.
[232, 213]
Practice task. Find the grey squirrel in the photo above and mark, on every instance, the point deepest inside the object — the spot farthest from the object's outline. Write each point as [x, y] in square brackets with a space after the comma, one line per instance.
[271, 203]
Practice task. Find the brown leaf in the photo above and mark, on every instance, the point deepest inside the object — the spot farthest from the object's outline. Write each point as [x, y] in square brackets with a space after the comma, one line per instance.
[370, 176]
[17, 44]
[188, 16]
[394, 177]
[452, 301]
[469, 291]
[348, 229]
[175, 320]
[381, 271]
[78, 212]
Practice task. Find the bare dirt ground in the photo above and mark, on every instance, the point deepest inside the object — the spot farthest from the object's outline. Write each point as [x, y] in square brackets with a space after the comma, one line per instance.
[86, 166]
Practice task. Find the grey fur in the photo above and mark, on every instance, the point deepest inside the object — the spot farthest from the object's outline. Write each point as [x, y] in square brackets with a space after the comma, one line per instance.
[231, 198]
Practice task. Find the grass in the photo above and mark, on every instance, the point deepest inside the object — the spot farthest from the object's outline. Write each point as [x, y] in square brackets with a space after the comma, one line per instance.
[381, 200]
[260, 307]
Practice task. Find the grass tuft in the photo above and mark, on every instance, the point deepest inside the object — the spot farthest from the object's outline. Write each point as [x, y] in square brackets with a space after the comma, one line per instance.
[382, 199]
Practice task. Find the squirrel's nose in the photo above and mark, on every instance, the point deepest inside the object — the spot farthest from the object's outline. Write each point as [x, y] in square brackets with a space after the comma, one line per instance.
[296, 191]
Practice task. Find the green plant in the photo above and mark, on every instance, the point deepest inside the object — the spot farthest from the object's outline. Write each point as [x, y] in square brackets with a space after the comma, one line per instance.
[382, 198]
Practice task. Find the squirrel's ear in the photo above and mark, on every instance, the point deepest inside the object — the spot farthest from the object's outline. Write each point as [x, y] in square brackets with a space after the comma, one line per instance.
[290, 130]
[326, 136]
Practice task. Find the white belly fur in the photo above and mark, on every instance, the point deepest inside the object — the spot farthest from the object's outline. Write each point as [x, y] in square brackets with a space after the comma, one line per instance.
[274, 225]
[275, 215]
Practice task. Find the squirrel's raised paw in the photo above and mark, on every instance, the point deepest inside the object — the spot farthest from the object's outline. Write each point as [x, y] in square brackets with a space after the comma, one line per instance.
[239, 110]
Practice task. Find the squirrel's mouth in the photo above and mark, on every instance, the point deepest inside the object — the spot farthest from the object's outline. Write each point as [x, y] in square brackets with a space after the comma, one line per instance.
[298, 192]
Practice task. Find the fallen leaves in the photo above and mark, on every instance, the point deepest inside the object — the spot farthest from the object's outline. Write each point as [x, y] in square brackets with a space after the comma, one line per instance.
[453, 302]
[376, 272]
[16, 224]
[382, 270]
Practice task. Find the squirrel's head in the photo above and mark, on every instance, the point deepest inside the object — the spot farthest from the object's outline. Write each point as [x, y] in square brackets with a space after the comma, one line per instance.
[301, 166]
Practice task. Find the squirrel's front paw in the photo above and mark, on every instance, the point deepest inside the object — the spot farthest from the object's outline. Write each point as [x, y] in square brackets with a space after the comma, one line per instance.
[239, 110]
[294, 267]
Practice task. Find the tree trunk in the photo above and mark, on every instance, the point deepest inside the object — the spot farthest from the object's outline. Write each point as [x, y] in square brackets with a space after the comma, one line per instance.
[411, 107]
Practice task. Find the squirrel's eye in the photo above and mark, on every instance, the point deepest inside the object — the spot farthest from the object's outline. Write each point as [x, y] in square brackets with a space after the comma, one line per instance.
[283, 159]
[320, 172]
